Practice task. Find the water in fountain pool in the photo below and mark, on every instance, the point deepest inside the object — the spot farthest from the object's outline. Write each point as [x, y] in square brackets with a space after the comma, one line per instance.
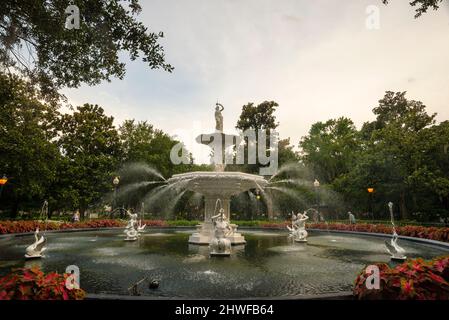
[269, 265]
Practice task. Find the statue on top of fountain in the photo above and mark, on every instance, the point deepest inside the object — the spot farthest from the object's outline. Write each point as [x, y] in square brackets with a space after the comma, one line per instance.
[218, 117]
[298, 228]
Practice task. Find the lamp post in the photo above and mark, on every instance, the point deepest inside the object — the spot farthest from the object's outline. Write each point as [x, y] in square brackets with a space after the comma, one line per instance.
[371, 192]
[115, 182]
[316, 185]
[257, 202]
[3, 181]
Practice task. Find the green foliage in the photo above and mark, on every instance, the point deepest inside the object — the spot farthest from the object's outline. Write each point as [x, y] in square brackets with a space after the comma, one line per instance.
[330, 148]
[423, 5]
[402, 155]
[28, 154]
[91, 148]
[35, 31]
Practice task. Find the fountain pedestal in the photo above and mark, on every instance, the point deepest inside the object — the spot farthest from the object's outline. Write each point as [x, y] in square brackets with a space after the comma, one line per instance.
[205, 230]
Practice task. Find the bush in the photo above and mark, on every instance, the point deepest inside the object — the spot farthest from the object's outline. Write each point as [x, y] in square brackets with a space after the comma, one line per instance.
[187, 223]
[432, 233]
[33, 284]
[413, 280]
[30, 226]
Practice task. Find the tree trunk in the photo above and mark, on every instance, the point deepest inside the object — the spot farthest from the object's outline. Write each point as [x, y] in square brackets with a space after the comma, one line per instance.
[82, 212]
[15, 208]
[403, 207]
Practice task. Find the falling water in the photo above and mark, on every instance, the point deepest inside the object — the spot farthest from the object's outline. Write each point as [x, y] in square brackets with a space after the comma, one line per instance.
[132, 187]
[289, 167]
[139, 168]
[288, 192]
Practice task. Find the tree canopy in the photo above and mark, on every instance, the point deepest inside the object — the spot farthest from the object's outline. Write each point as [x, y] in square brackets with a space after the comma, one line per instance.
[35, 42]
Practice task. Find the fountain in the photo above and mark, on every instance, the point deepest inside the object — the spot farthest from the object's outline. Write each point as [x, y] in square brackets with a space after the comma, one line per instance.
[217, 184]
[298, 229]
[130, 230]
[396, 252]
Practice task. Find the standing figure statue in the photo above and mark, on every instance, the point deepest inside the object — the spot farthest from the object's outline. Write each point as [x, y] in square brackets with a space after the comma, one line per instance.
[218, 117]
[298, 228]
[351, 218]
[220, 245]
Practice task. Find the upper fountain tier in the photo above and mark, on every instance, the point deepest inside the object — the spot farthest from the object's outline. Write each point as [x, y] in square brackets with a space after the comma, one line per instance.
[222, 184]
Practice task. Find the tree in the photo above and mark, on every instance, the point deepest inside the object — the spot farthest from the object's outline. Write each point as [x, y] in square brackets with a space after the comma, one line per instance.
[423, 5]
[286, 153]
[143, 143]
[395, 152]
[28, 155]
[36, 43]
[330, 148]
[91, 148]
[260, 117]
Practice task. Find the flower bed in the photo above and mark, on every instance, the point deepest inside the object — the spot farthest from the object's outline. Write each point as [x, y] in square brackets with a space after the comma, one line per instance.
[413, 280]
[29, 226]
[433, 233]
[33, 284]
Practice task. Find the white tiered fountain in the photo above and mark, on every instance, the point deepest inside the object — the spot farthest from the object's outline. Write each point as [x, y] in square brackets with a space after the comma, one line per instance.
[218, 184]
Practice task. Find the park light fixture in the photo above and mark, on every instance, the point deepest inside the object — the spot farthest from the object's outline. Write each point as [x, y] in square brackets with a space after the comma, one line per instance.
[316, 183]
[370, 190]
[3, 180]
[116, 181]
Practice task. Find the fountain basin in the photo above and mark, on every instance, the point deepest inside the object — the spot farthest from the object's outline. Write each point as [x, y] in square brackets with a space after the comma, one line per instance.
[268, 266]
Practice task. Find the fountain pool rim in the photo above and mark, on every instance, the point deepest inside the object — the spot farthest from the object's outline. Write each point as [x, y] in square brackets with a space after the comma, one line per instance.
[342, 295]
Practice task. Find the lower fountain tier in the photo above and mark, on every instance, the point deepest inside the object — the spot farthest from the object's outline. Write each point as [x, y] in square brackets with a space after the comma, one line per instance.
[217, 185]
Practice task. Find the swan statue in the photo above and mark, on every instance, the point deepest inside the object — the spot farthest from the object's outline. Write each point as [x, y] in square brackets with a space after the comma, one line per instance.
[397, 253]
[140, 227]
[37, 248]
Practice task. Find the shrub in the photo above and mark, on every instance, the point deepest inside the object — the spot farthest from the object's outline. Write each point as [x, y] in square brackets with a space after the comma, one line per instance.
[413, 280]
[33, 284]
[432, 233]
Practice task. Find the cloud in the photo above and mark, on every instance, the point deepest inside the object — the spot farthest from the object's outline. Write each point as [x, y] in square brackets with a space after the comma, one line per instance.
[315, 58]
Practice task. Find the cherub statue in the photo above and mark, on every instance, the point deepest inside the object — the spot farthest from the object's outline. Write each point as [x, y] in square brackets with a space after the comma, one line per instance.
[298, 228]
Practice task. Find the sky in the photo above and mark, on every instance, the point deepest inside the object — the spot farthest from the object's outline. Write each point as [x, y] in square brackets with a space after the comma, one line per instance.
[317, 59]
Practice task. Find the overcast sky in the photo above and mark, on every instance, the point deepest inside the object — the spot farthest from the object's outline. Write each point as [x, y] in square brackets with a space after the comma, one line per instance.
[317, 59]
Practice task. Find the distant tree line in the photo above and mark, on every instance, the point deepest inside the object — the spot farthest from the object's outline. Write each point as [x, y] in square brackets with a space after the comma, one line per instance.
[402, 157]
[68, 159]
